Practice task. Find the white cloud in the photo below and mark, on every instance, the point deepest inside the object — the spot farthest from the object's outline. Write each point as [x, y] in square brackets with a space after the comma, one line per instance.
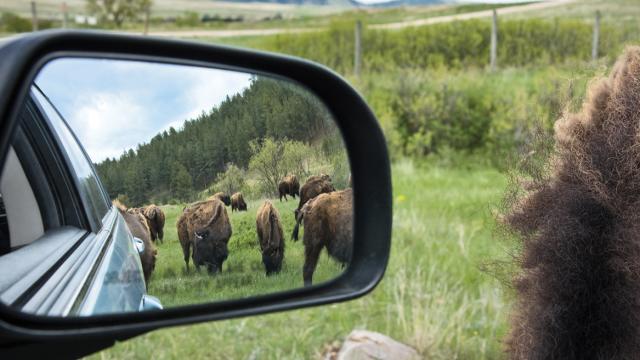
[106, 122]
[114, 106]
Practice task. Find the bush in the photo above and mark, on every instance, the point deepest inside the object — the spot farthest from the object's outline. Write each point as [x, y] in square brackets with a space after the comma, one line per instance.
[189, 18]
[11, 22]
[436, 113]
[455, 45]
[274, 159]
[230, 181]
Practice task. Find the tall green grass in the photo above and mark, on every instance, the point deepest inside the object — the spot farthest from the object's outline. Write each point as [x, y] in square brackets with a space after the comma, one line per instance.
[434, 295]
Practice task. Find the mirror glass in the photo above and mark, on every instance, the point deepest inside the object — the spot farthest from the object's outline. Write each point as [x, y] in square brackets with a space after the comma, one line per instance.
[134, 186]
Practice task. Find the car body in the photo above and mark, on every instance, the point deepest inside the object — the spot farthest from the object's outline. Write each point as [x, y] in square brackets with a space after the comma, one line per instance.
[68, 248]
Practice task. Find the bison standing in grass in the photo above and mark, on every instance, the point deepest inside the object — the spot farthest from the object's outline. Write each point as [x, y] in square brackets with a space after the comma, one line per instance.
[289, 186]
[237, 202]
[204, 231]
[222, 197]
[155, 219]
[315, 185]
[271, 237]
[328, 223]
[137, 224]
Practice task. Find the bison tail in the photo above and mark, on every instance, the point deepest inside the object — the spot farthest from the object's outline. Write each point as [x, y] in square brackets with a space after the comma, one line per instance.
[296, 228]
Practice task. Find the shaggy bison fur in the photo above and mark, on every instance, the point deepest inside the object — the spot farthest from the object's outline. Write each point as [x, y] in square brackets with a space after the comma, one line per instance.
[204, 231]
[155, 220]
[289, 186]
[271, 237]
[222, 197]
[578, 220]
[328, 223]
[315, 185]
[237, 202]
[137, 224]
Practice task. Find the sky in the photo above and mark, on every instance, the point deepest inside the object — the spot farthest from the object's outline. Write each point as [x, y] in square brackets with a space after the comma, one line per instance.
[114, 105]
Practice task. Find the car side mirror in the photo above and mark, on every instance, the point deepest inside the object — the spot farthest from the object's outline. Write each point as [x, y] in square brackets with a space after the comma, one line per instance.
[29, 325]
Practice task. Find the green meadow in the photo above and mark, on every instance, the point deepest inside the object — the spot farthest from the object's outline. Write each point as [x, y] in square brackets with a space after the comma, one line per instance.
[435, 294]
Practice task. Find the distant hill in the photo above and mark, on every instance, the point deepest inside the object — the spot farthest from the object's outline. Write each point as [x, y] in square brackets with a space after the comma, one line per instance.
[393, 3]
[355, 3]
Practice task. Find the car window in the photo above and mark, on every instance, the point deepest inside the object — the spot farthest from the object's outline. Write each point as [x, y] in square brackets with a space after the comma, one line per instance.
[5, 242]
[88, 183]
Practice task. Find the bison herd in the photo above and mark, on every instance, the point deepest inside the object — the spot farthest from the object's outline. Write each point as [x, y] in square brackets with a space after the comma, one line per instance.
[204, 228]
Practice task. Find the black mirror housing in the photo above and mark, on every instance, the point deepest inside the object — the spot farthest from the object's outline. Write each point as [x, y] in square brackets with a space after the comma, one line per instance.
[22, 58]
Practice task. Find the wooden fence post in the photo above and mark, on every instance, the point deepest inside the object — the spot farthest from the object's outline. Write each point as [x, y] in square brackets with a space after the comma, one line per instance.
[34, 16]
[357, 61]
[596, 37]
[147, 14]
[65, 15]
[494, 42]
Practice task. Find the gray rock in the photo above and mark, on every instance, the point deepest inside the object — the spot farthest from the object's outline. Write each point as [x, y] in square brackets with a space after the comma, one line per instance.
[368, 345]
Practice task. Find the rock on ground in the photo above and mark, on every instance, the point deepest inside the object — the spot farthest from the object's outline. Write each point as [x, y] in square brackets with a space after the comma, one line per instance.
[368, 345]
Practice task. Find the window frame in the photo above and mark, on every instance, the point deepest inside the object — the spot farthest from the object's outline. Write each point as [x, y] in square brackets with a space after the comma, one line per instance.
[95, 224]
[49, 283]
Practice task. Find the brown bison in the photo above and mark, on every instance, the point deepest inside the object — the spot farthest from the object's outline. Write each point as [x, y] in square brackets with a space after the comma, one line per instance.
[237, 202]
[577, 219]
[315, 185]
[222, 197]
[155, 220]
[328, 223]
[271, 237]
[204, 231]
[138, 227]
[289, 186]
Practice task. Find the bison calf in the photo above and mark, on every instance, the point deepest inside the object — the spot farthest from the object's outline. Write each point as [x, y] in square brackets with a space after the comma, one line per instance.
[328, 223]
[289, 186]
[271, 237]
[204, 231]
[137, 224]
[237, 202]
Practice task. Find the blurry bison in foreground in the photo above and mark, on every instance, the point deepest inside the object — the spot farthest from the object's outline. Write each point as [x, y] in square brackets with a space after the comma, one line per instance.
[204, 231]
[578, 219]
[328, 222]
[237, 202]
[155, 220]
[314, 186]
[222, 197]
[289, 186]
[138, 227]
[271, 237]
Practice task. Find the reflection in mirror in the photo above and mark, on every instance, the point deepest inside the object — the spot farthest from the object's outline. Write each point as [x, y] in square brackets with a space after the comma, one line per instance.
[224, 185]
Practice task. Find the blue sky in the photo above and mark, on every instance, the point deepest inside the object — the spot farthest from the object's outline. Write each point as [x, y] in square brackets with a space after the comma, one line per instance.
[113, 105]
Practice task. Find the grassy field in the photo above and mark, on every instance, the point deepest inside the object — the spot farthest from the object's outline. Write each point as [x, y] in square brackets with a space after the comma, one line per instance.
[243, 273]
[434, 295]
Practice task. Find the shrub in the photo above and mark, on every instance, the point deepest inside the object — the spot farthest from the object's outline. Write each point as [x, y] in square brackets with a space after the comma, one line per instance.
[11, 22]
[274, 159]
[231, 180]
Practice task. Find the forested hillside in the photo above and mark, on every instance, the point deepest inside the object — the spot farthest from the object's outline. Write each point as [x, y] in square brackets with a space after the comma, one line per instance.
[178, 162]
